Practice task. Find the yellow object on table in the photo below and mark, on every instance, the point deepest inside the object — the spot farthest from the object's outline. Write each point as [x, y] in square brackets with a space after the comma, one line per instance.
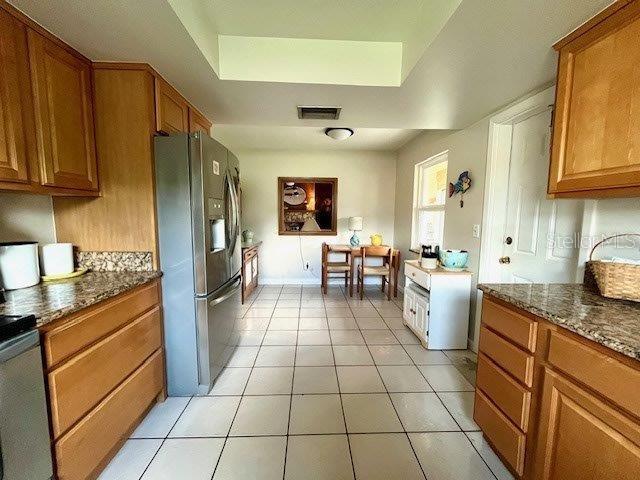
[376, 240]
[62, 276]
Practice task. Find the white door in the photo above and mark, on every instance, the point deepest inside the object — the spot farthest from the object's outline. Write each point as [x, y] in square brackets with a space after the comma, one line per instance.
[540, 235]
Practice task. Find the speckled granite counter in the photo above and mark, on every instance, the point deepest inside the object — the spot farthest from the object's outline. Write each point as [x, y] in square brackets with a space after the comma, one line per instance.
[612, 323]
[51, 300]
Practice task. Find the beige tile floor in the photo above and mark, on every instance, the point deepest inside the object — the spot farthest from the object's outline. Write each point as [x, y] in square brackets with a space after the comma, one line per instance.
[320, 387]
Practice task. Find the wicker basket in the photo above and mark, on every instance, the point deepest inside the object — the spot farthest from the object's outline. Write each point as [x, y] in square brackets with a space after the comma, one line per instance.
[615, 280]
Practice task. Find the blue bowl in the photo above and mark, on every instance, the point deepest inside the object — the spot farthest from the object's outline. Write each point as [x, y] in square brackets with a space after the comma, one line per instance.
[454, 258]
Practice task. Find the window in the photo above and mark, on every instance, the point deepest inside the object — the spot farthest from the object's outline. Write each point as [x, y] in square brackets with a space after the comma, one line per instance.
[429, 196]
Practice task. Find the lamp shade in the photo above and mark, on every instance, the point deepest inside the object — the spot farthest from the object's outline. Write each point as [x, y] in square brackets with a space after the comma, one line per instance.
[310, 225]
[355, 224]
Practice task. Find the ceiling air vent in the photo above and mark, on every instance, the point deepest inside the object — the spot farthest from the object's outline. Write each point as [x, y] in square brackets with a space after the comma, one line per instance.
[318, 113]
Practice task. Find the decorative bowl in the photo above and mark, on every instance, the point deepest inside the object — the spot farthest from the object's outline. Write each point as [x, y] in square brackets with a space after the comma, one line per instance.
[454, 258]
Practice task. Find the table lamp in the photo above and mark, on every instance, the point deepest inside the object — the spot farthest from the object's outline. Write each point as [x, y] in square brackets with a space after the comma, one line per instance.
[355, 224]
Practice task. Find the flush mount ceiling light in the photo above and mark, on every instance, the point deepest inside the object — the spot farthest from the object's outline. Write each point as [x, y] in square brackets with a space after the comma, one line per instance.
[338, 133]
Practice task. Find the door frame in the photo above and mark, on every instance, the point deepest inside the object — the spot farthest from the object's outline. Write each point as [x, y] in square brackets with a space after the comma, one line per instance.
[495, 194]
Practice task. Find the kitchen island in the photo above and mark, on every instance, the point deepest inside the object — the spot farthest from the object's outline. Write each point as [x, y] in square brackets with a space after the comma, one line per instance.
[558, 381]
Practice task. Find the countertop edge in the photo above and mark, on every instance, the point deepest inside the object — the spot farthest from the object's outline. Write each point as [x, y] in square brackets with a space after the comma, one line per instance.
[52, 320]
[586, 333]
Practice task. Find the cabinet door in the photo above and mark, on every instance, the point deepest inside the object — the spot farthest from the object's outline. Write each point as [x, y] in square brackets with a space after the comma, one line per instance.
[13, 80]
[254, 268]
[409, 304]
[172, 111]
[421, 309]
[596, 139]
[583, 438]
[63, 100]
[248, 275]
[198, 123]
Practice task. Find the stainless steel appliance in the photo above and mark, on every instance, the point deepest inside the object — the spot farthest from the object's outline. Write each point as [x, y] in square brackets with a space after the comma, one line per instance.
[25, 449]
[197, 184]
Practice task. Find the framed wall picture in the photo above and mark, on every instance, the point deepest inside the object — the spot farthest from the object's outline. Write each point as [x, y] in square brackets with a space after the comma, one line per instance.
[307, 206]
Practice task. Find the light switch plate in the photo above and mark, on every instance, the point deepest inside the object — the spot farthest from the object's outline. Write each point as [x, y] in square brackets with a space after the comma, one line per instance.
[476, 231]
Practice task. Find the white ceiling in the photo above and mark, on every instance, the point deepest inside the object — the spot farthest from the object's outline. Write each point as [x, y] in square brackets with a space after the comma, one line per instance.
[251, 137]
[379, 20]
[488, 54]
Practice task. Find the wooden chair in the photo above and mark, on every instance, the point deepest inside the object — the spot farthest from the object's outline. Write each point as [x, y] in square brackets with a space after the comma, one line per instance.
[385, 270]
[343, 268]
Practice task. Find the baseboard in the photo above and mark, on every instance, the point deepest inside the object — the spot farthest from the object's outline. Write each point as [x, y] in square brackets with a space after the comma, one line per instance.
[316, 281]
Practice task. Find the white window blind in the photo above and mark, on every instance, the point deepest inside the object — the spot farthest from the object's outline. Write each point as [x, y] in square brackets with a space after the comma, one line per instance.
[429, 196]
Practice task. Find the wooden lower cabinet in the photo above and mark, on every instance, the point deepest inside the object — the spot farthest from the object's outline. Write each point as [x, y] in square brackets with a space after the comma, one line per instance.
[105, 370]
[249, 269]
[569, 411]
[87, 448]
[582, 437]
[505, 437]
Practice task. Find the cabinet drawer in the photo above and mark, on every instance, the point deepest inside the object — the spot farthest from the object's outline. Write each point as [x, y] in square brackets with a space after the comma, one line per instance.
[89, 326]
[80, 384]
[90, 444]
[416, 275]
[513, 399]
[249, 254]
[503, 435]
[517, 328]
[611, 378]
[506, 355]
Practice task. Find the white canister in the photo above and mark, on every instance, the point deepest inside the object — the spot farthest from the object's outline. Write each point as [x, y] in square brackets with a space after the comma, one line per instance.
[429, 263]
[19, 266]
[57, 258]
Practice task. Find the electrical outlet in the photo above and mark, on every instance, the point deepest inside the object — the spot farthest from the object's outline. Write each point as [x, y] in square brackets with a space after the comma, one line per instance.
[476, 231]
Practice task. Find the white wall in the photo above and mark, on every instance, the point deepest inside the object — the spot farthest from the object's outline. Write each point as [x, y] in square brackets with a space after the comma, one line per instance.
[467, 151]
[366, 187]
[24, 216]
[605, 218]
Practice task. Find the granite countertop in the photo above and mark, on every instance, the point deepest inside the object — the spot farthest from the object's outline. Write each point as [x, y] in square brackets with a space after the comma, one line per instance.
[578, 308]
[49, 301]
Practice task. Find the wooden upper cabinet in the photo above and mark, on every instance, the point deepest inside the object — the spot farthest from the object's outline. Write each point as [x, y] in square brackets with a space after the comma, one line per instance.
[198, 122]
[14, 80]
[172, 111]
[581, 437]
[63, 98]
[596, 138]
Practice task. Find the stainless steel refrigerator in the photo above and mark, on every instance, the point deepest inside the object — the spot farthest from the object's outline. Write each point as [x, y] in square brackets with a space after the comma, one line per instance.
[197, 185]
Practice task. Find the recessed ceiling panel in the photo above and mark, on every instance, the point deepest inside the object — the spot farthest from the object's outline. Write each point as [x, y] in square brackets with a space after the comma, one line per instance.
[362, 20]
[355, 42]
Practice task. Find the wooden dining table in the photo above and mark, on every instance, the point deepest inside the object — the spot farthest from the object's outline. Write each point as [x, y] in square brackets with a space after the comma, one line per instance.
[355, 252]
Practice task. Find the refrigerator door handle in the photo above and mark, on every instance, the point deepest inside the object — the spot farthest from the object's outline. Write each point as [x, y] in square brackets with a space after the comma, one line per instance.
[228, 210]
[232, 290]
[234, 213]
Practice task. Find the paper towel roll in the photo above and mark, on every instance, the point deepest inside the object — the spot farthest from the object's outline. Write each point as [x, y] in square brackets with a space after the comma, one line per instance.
[57, 258]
